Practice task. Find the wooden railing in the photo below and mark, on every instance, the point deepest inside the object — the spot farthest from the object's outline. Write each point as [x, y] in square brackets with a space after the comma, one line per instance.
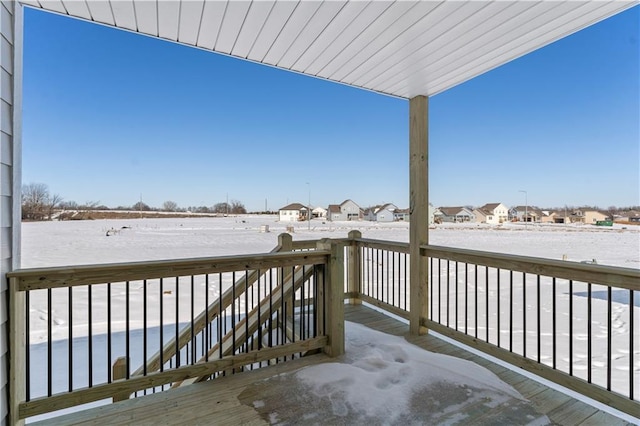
[190, 320]
[88, 333]
[568, 322]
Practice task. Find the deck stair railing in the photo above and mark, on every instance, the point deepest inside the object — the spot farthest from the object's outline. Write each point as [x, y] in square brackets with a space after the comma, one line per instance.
[183, 321]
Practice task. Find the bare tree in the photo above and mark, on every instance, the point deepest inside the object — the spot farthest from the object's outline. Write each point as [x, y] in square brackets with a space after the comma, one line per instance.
[237, 207]
[35, 201]
[141, 207]
[221, 208]
[54, 202]
[170, 206]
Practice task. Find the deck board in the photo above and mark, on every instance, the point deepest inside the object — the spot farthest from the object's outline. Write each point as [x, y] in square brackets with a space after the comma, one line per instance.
[229, 400]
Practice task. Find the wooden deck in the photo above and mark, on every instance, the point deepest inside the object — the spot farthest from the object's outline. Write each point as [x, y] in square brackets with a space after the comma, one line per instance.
[230, 400]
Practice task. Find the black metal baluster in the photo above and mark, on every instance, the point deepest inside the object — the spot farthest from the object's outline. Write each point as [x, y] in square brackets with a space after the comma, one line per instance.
[386, 267]
[589, 354]
[511, 311]
[553, 314]
[27, 349]
[475, 294]
[539, 343]
[193, 337]
[49, 345]
[456, 295]
[90, 333]
[448, 304]
[177, 322]
[466, 297]
[439, 291]
[631, 332]
[144, 327]
[70, 337]
[524, 314]
[127, 328]
[221, 316]
[609, 332]
[206, 345]
[498, 304]
[161, 350]
[270, 337]
[259, 313]
[302, 302]
[486, 300]
[246, 311]
[571, 327]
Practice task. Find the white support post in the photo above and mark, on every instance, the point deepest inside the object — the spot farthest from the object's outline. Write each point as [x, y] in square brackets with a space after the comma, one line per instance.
[419, 211]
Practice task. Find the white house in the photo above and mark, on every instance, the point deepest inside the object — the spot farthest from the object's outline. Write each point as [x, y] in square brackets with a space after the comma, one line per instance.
[319, 212]
[293, 213]
[348, 210]
[492, 213]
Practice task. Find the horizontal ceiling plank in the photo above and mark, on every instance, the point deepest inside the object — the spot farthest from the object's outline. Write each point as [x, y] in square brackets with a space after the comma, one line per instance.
[291, 31]
[439, 41]
[101, 11]
[321, 20]
[146, 17]
[363, 20]
[278, 17]
[231, 26]
[124, 14]
[168, 19]
[477, 42]
[189, 24]
[341, 21]
[391, 40]
[211, 21]
[396, 39]
[77, 8]
[563, 24]
[384, 21]
[253, 24]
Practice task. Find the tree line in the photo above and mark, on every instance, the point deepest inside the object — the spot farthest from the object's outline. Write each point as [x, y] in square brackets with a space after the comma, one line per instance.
[38, 203]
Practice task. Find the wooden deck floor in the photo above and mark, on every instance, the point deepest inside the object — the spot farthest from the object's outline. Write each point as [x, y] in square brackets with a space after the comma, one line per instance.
[227, 401]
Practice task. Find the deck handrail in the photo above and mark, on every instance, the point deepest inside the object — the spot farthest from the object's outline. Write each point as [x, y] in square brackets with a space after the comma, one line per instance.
[69, 276]
[382, 275]
[627, 278]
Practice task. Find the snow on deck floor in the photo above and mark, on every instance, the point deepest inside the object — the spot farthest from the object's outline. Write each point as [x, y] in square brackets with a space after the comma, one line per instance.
[383, 379]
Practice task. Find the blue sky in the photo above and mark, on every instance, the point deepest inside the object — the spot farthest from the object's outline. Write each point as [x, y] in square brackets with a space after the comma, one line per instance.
[109, 116]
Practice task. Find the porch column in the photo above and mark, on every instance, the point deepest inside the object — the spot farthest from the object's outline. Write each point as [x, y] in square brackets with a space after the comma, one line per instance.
[419, 210]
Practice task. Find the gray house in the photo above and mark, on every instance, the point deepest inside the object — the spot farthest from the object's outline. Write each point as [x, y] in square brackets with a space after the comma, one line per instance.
[381, 213]
[347, 210]
[456, 214]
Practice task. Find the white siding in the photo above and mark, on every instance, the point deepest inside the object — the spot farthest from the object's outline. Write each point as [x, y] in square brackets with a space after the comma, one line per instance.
[289, 215]
[10, 63]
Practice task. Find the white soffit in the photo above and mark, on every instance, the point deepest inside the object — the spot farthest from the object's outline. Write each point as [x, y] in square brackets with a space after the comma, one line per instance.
[399, 48]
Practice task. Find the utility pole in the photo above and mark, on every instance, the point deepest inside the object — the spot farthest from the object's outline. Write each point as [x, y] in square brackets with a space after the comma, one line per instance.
[309, 206]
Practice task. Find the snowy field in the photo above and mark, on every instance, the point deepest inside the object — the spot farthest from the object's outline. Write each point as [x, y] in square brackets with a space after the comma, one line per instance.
[86, 242]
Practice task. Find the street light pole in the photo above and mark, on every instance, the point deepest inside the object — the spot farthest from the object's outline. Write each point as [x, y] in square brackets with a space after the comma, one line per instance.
[309, 206]
[526, 207]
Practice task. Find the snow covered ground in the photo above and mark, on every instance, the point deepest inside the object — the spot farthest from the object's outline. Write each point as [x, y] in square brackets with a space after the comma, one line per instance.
[85, 242]
[105, 241]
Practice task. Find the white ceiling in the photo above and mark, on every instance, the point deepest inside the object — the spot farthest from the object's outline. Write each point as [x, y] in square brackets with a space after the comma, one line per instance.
[400, 48]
